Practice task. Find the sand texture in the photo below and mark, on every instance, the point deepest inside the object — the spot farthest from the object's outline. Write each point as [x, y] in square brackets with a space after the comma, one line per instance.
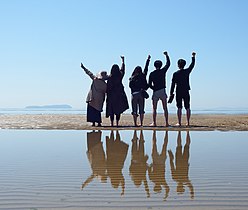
[199, 122]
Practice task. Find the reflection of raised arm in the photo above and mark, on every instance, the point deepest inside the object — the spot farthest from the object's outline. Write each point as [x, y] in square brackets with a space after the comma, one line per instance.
[87, 181]
[91, 75]
[191, 189]
[191, 66]
[167, 65]
[147, 64]
[122, 65]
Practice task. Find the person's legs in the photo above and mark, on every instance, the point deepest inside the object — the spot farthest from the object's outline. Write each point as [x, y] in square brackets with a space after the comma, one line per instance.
[154, 112]
[179, 116]
[187, 107]
[135, 109]
[188, 112]
[112, 119]
[118, 117]
[179, 108]
[164, 101]
[141, 109]
[135, 120]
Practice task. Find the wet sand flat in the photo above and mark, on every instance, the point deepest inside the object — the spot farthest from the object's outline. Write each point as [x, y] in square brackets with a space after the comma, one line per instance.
[123, 169]
[78, 122]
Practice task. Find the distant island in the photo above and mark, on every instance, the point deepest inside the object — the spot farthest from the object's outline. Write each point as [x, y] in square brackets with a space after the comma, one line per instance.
[60, 106]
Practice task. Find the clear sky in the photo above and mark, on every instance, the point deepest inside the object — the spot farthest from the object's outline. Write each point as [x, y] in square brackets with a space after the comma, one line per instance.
[44, 41]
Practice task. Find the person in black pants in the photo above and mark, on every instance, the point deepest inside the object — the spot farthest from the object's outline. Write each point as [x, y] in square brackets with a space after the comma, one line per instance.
[180, 79]
[138, 84]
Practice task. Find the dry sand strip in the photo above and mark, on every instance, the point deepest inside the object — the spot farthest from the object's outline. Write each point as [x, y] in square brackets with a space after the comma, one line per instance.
[199, 122]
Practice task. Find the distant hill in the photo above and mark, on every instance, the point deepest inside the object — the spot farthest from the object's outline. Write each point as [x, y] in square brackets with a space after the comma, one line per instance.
[60, 106]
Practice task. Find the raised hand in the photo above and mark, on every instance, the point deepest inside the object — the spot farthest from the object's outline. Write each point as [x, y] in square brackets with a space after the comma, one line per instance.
[193, 54]
[149, 57]
[165, 53]
[82, 66]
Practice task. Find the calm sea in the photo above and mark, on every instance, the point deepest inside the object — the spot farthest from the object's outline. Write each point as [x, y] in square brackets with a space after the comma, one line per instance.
[83, 111]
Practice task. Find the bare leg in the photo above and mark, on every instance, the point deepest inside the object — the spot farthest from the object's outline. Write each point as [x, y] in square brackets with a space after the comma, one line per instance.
[188, 112]
[179, 116]
[154, 112]
[165, 112]
[135, 119]
[112, 120]
[118, 117]
[141, 119]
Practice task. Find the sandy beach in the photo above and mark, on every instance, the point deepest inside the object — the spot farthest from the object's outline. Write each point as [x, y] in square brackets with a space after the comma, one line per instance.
[199, 122]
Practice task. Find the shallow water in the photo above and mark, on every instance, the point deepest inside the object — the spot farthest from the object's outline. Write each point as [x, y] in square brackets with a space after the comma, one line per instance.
[76, 169]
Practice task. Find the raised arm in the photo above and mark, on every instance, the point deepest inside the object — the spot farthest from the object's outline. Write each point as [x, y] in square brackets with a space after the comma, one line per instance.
[122, 65]
[191, 66]
[147, 64]
[91, 75]
[167, 65]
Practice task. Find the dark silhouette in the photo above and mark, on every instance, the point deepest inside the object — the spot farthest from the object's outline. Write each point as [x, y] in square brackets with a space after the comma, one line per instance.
[116, 151]
[139, 165]
[96, 157]
[180, 79]
[156, 170]
[117, 101]
[96, 96]
[157, 84]
[180, 171]
[138, 85]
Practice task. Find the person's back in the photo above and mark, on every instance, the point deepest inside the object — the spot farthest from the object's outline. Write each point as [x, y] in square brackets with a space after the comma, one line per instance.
[157, 77]
[180, 79]
[157, 84]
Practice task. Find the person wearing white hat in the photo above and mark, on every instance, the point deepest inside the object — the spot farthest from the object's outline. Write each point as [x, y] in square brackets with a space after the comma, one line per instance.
[96, 96]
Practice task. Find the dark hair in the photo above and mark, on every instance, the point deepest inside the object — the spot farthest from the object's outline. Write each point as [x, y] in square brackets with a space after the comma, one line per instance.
[115, 71]
[158, 64]
[181, 63]
[137, 70]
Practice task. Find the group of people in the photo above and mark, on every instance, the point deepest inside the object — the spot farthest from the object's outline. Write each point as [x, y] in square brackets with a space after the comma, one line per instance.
[111, 87]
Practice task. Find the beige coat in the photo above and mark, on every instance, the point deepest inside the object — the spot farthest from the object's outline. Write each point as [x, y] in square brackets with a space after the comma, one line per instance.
[97, 92]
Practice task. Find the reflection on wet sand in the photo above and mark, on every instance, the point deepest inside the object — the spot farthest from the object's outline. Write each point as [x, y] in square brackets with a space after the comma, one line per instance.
[110, 165]
[156, 170]
[180, 171]
[96, 157]
[139, 164]
[116, 151]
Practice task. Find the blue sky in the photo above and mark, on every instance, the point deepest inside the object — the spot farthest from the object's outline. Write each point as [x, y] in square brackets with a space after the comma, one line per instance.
[44, 41]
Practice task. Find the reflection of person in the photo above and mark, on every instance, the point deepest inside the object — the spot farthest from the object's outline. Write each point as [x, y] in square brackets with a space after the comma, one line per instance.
[156, 170]
[138, 83]
[116, 151]
[116, 102]
[180, 79]
[96, 157]
[157, 84]
[180, 171]
[138, 165]
[96, 96]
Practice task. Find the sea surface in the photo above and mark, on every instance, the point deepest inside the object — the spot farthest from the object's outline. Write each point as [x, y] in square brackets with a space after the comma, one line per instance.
[57, 169]
[83, 111]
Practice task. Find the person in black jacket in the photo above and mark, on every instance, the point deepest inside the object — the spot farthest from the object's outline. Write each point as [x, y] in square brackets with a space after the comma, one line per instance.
[138, 84]
[116, 102]
[157, 84]
[180, 79]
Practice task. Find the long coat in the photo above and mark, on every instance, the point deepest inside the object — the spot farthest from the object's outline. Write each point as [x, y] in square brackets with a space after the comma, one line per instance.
[97, 92]
[116, 102]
